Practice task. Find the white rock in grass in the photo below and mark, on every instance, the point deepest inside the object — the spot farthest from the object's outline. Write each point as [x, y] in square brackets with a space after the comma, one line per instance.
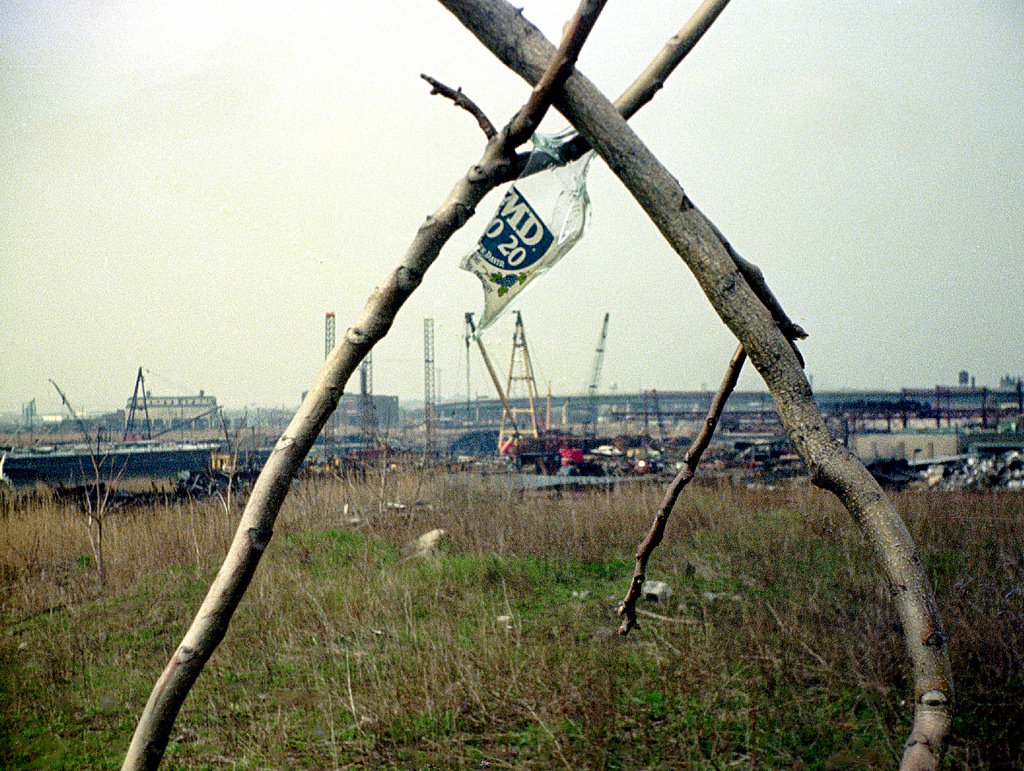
[426, 545]
[658, 591]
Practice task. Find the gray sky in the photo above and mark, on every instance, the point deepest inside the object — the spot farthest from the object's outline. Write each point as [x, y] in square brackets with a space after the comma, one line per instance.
[190, 186]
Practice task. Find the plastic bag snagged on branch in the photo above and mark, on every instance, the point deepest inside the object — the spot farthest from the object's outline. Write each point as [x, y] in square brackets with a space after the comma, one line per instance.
[541, 217]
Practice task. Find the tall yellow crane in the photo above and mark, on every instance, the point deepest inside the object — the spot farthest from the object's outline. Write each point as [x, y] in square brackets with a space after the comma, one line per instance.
[520, 370]
[506, 407]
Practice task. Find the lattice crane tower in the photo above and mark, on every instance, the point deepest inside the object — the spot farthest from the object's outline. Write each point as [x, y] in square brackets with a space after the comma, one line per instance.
[429, 389]
[328, 334]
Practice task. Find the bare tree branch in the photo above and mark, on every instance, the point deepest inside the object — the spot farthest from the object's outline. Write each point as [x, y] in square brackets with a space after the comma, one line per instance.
[638, 94]
[578, 28]
[653, 78]
[627, 610]
[257, 522]
[463, 101]
[759, 286]
[832, 466]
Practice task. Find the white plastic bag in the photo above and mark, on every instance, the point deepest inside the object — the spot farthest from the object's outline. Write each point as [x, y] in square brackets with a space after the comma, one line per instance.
[542, 216]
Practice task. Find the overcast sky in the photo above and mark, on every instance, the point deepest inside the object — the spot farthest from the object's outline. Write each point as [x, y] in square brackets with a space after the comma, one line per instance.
[190, 186]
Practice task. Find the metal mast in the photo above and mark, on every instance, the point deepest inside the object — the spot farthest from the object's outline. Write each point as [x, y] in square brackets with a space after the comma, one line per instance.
[506, 407]
[129, 423]
[28, 415]
[429, 392]
[328, 334]
[520, 370]
[595, 370]
[595, 376]
[468, 330]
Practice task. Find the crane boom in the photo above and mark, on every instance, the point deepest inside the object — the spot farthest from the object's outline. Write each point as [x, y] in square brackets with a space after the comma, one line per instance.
[71, 409]
[471, 329]
[595, 372]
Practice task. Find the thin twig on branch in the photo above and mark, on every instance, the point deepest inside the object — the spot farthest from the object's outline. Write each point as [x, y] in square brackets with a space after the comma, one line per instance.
[759, 286]
[463, 101]
[627, 610]
[652, 79]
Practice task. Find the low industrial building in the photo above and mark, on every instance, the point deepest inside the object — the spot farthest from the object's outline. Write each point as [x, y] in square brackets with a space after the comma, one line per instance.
[165, 412]
[910, 446]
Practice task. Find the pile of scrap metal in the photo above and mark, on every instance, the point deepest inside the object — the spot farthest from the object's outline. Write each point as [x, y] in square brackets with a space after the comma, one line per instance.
[978, 472]
[894, 474]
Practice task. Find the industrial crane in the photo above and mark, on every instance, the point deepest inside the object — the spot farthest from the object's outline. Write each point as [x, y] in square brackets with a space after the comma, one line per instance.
[470, 334]
[595, 371]
[595, 376]
[81, 423]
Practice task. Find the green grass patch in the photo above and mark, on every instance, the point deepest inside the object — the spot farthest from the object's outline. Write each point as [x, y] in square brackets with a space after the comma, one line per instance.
[777, 648]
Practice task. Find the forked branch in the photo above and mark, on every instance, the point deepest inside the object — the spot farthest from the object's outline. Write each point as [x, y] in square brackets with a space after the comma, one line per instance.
[497, 165]
[627, 610]
[578, 28]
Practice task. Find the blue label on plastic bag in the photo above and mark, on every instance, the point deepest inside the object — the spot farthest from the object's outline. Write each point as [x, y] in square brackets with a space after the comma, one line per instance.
[516, 238]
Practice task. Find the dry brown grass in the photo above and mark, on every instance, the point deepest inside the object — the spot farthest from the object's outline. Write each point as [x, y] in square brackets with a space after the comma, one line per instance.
[778, 648]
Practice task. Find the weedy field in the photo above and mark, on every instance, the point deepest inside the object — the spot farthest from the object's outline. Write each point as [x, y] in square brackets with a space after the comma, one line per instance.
[778, 647]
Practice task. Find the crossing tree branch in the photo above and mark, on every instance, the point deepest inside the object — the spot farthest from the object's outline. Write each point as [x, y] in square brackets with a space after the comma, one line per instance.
[257, 522]
[521, 47]
[463, 101]
[498, 164]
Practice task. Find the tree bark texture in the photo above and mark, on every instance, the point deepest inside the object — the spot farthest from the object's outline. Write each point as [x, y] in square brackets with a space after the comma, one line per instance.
[521, 47]
[255, 528]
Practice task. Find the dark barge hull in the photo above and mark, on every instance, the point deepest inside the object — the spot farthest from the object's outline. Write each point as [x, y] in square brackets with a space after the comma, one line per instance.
[75, 465]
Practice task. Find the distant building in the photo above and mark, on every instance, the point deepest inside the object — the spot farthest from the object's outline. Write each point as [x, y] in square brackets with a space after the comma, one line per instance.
[350, 412]
[910, 446]
[166, 412]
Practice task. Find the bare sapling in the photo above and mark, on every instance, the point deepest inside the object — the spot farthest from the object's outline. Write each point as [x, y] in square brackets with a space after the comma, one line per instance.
[96, 492]
[627, 610]
[96, 504]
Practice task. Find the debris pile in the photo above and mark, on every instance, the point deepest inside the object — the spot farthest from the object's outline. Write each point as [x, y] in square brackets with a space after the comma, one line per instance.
[977, 472]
